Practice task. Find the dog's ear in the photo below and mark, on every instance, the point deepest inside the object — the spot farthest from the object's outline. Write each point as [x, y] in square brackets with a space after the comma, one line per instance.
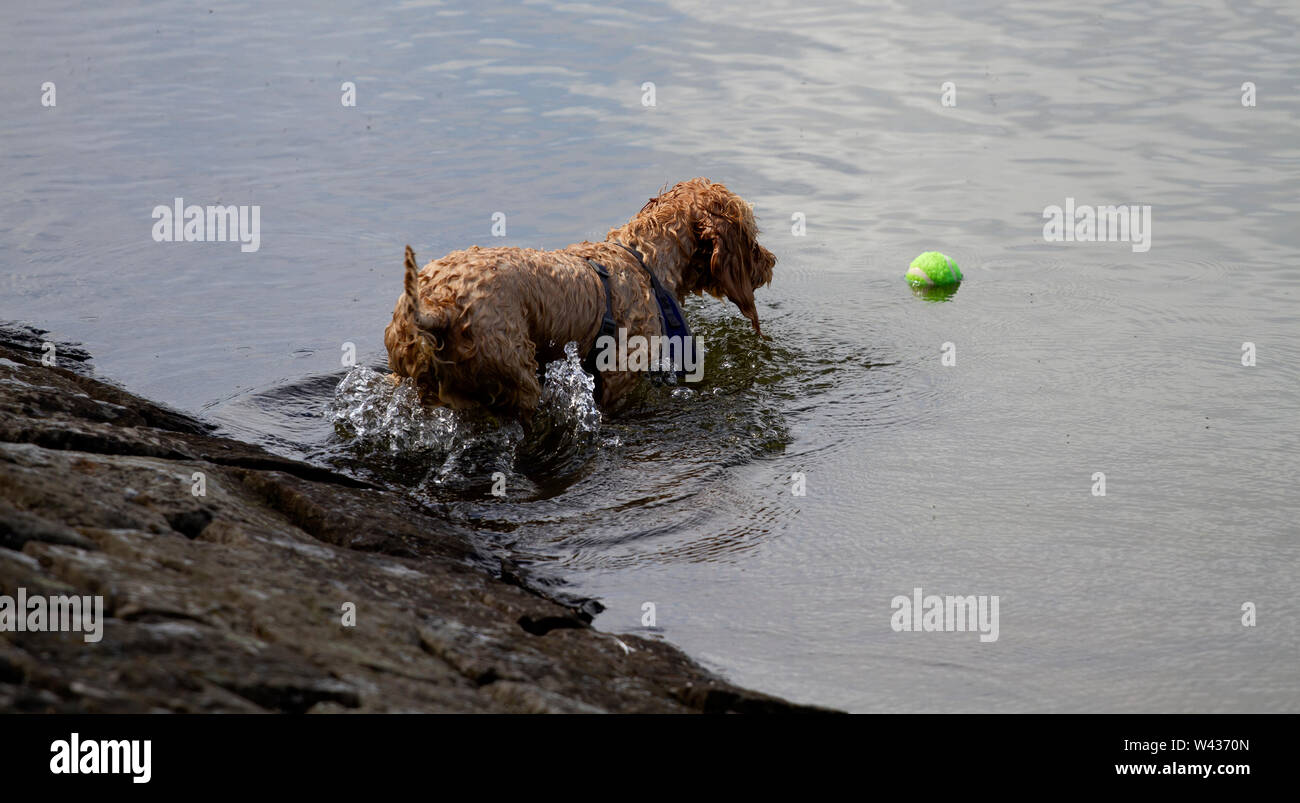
[738, 264]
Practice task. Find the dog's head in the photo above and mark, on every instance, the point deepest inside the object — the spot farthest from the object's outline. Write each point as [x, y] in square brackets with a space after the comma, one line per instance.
[718, 228]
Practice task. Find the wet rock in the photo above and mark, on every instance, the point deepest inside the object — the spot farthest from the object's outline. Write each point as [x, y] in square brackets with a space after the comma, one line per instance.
[282, 586]
[17, 527]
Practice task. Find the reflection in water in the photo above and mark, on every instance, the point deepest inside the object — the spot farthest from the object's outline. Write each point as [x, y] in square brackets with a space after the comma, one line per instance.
[937, 293]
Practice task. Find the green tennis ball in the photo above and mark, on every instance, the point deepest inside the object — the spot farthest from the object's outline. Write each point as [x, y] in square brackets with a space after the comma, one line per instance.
[933, 269]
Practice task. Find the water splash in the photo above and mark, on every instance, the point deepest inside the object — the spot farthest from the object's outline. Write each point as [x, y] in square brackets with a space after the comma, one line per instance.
[377, 418]
[568, 395]
[377, 414]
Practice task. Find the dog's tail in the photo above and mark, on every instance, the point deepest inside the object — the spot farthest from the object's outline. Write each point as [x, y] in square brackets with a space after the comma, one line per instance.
[432, 324]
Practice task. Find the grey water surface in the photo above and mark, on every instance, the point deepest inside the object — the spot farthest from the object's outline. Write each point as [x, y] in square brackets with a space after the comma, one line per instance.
[969, 479]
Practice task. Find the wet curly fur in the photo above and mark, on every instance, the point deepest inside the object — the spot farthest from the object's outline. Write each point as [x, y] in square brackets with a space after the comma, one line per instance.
[472, 328]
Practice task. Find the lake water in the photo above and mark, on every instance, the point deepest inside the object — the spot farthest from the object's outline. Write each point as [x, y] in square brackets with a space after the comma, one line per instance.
[975, 478]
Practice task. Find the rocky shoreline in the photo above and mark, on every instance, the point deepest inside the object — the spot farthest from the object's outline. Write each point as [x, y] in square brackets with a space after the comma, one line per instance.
[235, 599]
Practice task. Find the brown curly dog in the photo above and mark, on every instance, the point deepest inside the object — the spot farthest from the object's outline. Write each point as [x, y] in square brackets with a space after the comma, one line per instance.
[472, 327]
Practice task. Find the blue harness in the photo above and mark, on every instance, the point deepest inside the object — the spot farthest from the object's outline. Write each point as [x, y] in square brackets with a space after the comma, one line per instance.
[676, 329]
